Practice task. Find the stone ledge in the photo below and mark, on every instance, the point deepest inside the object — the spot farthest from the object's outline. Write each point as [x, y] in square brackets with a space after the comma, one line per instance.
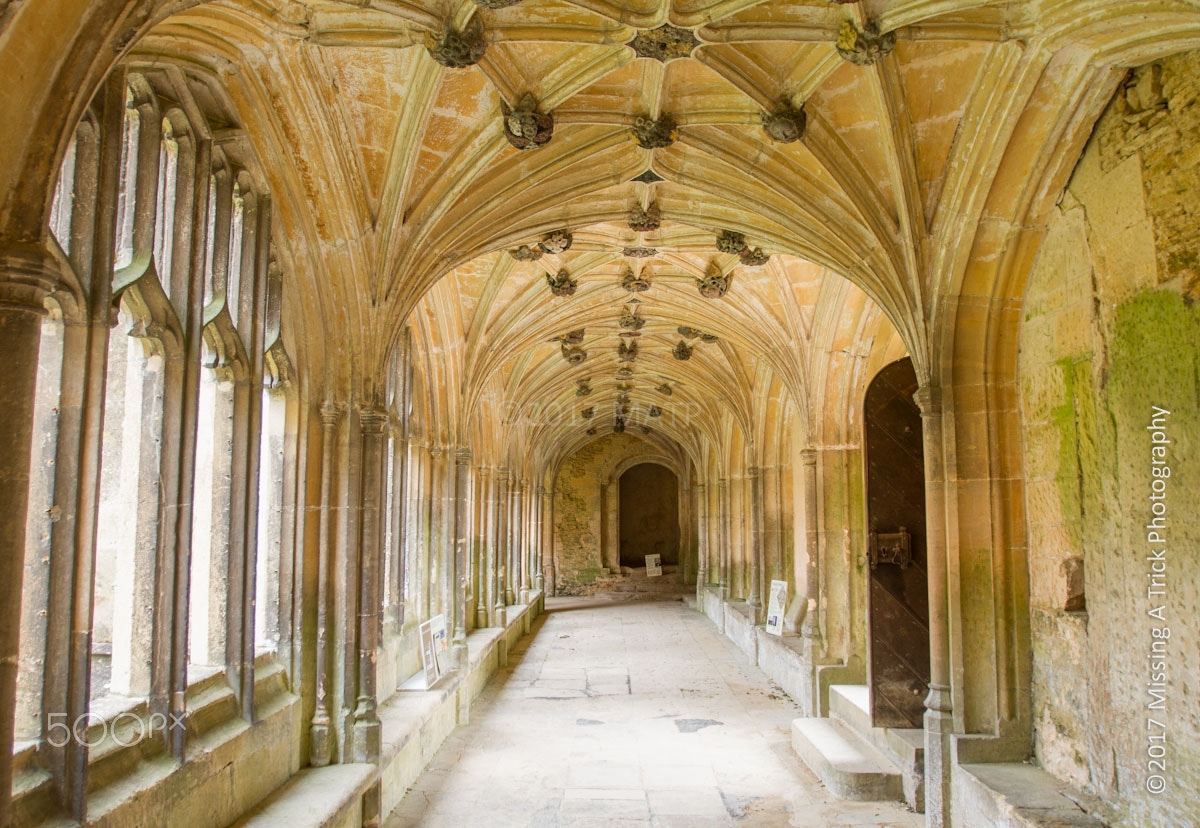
[315, 798]
[739, 628]
[1017, 795]
[416, 722]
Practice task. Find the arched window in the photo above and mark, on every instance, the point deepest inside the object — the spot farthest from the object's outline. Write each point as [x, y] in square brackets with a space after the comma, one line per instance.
[62, 208]
[233, 278]
[127, 535]
[211, 527]
[39, 527]
[127, 196]
[270, 518]
[164, 225]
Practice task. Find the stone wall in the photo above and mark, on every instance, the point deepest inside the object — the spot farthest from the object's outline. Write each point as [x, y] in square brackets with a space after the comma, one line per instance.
[1109, 330]
[578, 514]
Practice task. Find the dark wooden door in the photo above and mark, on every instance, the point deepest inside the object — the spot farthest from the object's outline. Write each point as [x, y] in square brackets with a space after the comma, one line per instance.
[898, 597]
[649, 516]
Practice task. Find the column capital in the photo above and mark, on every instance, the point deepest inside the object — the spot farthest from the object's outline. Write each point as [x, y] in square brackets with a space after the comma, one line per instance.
[808, 456]
[753, 471]
[929, 399]
[27, 277]
[436, 452]
[330, 412]
[700, 488]
[540, 490]
[372, 419]
[462, 457]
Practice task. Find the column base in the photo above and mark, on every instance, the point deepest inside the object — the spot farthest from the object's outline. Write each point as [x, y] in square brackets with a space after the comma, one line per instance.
[939, 724]
[320, 743]
[368, 738]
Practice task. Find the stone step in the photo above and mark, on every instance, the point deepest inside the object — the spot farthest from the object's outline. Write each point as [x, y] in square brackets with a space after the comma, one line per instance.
[847, 765]
[852, 704]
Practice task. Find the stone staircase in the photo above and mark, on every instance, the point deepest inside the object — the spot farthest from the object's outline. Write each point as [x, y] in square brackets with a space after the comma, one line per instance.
[857, 761]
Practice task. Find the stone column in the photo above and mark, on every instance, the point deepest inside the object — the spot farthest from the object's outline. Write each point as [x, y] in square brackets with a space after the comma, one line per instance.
[537, 535]
[526, 519]
[939, 721]
[772, 528]
[726, 539]
[25, 280]
[423, 500]
[500, 571]
[484, 567]
[462, 526]
[810, 628]
[368, 732]
[548, 541]
[186, 471]
[514, 541]
[702, 542]
[492, 564]
[436, 570]
[320, 738]
[755, 562]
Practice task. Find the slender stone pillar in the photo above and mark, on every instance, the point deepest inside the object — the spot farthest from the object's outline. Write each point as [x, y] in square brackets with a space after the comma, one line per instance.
[726, 539]
[538, 535]
[772, 528]
[810, 628]
[514, 541]
[548, 541]
[500, 573]
[526, 519]
[25, 280]
[701, 541]
[368, 732]
[484, 568]
[99, 321]
[438, 543]
[939, 721]
[492, 567]
[320, 737]
[757, 567]
[422, 502]
[462, 526]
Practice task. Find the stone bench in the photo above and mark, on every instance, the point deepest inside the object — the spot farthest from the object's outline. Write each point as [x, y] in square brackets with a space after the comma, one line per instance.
[329, 797]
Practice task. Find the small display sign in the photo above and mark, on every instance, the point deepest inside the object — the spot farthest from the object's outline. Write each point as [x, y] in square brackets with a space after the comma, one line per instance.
[776, 607]
[653, 566]
[428, 659]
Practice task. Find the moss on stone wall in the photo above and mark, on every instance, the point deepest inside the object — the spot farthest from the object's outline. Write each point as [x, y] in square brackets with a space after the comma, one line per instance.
[1108, 332]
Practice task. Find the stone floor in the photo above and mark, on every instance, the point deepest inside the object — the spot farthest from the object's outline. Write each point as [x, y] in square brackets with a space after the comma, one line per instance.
[622, 714]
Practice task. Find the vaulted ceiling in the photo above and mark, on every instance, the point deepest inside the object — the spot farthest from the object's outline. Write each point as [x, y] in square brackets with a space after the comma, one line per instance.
[920, 151]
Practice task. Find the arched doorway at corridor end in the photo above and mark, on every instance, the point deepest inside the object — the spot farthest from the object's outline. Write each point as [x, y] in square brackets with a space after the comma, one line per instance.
[648, 516]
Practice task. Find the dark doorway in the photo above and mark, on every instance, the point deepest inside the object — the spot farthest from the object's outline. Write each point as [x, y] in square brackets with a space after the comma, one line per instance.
[898, 598]
[649, 515]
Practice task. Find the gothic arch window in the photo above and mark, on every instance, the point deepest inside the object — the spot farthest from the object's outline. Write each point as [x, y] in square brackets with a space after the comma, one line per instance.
[127, 535]
[127, 194]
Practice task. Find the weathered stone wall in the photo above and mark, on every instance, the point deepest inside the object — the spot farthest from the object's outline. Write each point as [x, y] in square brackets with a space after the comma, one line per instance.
[578, 517]
[1109, 330]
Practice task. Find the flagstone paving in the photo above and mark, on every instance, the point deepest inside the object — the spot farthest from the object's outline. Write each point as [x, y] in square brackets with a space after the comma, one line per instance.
[623, 714]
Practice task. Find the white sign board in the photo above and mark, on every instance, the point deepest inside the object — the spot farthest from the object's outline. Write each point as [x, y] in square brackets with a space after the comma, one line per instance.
[776, 607]
[653, 566]
[441, 644]
[428, 659]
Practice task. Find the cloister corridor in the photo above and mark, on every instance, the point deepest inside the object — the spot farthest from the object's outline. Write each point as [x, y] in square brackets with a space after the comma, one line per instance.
[622, 714]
